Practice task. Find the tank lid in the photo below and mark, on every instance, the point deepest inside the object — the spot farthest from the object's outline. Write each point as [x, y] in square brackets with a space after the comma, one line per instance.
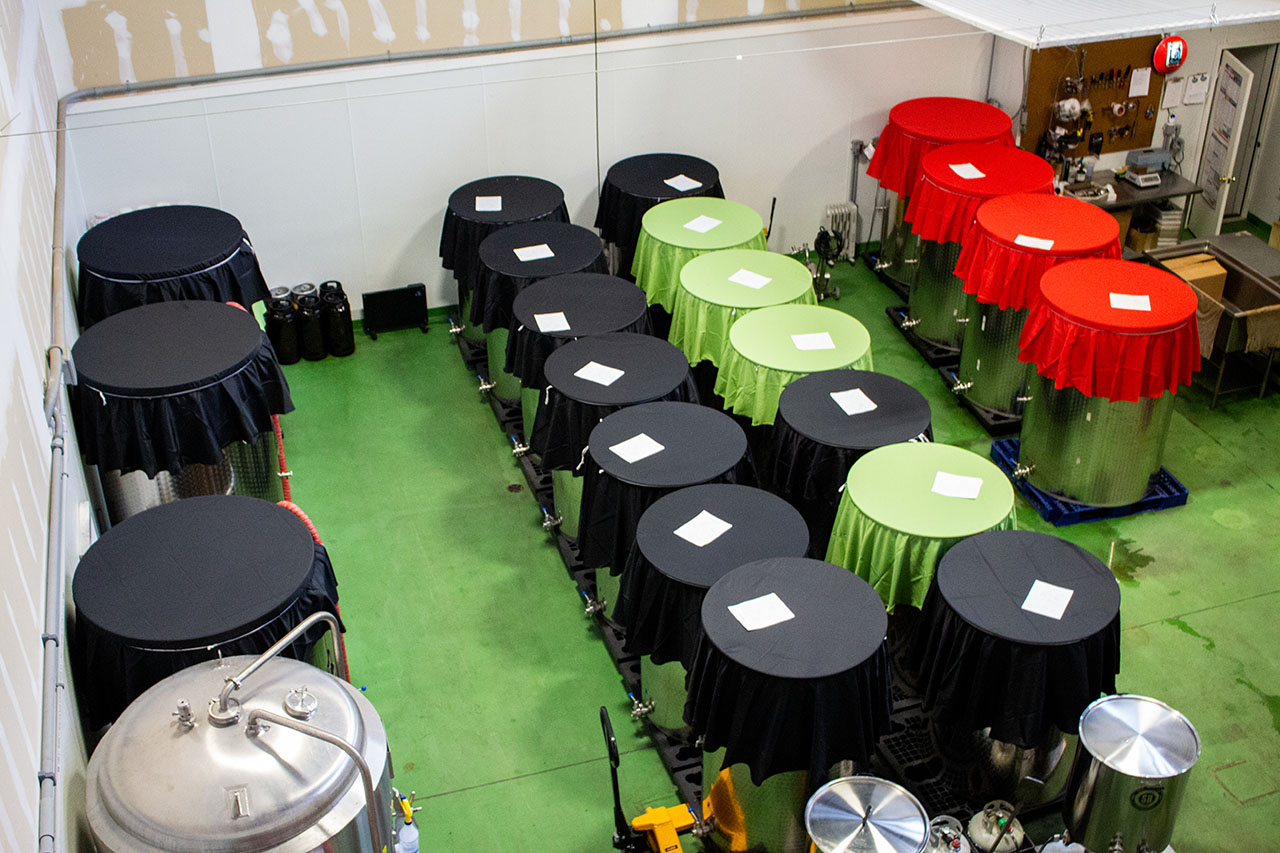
[1139, 736]
[864, 814]
[165, 778]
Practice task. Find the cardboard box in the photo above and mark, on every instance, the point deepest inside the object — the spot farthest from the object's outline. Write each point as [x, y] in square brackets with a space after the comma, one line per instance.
[1122, 218]
[1209, 278]
[1175, 264]
[1142, 241]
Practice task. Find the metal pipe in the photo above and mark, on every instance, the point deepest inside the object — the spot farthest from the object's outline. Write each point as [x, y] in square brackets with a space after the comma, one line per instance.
[253, 729]
[233, 682]
[51, 638]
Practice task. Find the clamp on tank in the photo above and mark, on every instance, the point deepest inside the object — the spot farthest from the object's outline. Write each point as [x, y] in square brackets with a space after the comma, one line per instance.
[225, 711]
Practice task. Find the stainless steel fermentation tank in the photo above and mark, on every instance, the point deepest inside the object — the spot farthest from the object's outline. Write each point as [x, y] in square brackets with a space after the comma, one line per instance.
[284, 759]
[899, 247]
[1090, 450]
[1130, 773]
[246, 468]
[936, 302]
[990, 375]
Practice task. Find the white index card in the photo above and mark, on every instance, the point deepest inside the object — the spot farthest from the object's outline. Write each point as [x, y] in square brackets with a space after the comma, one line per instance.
[555, 321]
[1048, 599]
[1130, 301]
[682, 183]
[601, 374]
[1042, 243]
[762, 612]
[1140, 82]
[1171, 98]
[956, 485]
[702, 224]
[813, 340]
[703, 529]
[854, 401]
[750, 279]
[638, 447]
[486, 203]
[534, 253]
[968, 171]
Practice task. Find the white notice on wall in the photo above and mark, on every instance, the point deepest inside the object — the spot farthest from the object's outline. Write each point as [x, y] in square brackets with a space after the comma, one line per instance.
[703, 529]
[702, 224]
[552, 322]
[813, 340]
[534, 253]
[637, 447]
[1130, 301]
[1172, 95]
[854, 401]
[762, 612]
[1048, 599]
[750, 279]
[968, 171]
[682, 183]
[1140, 82]
[601, 374]
[1197, 89]
[1042, 243]
[956, 485]
[487, 203]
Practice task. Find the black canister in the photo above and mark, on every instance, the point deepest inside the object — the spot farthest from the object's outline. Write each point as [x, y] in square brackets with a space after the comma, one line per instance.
[339, 336]
[298, 291]
[310, 328]
[282, 328]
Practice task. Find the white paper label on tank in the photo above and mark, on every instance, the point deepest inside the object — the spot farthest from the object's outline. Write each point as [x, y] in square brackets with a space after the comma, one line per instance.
[1130, 301]
[637, 447]
[682, 183]
[968, 171]
[1048, 599]
[703, 529]
[488, 203]
[534, 253]
[813, 340]
[554, 321]
[763, 612]
[854, 401]
[702, 224]
[750, 279]
[601, 374]
[956, 485]
[1042, 243]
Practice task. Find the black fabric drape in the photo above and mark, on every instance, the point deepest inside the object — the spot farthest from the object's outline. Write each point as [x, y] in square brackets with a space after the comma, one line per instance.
[164, 254]
[802, 694]
[524, 199]
[185, 582]
[168, 384]
[635, 184]
[984, 661]
[593, 304]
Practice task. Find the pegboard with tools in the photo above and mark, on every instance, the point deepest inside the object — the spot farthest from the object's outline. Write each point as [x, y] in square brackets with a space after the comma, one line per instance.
[1092, 99]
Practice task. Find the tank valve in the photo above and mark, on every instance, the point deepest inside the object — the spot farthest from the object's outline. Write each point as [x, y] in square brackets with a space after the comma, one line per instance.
[485, 387]
[594, 606]
[550, 522]
[639, 709]
[1022, 472]
[518, 448]
[882, 264]
[185, 718]
[910, 322]
[454, 328]
[703, 828]
[960, 387]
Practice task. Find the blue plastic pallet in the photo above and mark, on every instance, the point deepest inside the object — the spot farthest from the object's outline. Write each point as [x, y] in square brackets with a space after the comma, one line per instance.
[1164, 491]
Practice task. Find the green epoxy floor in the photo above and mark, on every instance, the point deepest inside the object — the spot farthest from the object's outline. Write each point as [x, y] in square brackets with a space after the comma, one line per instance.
[469, 637]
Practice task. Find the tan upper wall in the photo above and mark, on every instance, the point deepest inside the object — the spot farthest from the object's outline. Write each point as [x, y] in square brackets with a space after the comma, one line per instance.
[138, 40]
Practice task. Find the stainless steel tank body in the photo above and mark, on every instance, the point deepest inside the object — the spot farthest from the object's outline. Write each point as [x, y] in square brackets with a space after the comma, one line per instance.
[990, 374]
[768, 817]
[899, 247]
[936, 302]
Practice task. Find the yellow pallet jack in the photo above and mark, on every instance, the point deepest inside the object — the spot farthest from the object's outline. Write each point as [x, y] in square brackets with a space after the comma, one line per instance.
[658, 830]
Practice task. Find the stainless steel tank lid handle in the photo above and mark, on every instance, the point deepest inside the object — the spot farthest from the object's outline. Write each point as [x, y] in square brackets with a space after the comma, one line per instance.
[233, 682]
[252, 728]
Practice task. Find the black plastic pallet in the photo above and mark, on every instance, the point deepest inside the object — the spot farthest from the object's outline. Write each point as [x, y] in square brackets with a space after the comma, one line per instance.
[995, 423]
[568, 548]
[473, 352]
[539, 480]
[506, 411]
[910, 758]
[933, 354]
[1164, 491]
[872, 260]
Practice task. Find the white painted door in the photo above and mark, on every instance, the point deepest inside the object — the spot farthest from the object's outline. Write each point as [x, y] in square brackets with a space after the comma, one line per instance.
[1222, 139]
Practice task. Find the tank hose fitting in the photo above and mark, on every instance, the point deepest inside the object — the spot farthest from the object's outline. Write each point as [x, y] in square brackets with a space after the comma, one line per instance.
[454, 328]
[910, 322]
[518, 448]
[549, 522]
[594, 606]
[485, 387]
[960, 387]
[1022, 472]
[639, 709]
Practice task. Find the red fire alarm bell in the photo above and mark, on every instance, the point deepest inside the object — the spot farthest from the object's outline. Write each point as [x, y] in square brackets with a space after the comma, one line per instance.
[1170, 54]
